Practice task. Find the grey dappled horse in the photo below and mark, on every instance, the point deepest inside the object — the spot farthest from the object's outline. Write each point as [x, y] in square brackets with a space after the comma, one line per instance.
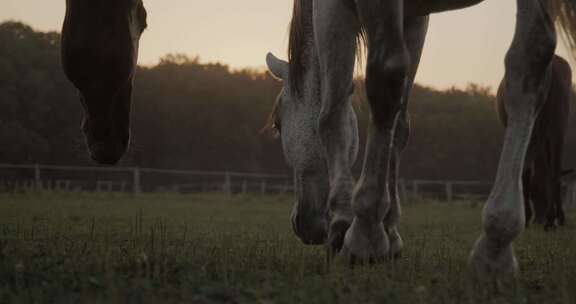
[319, 132]
[99, 55]
[542, 177]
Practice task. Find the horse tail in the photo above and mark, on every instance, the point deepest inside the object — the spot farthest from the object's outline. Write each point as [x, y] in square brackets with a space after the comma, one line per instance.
[565, 10]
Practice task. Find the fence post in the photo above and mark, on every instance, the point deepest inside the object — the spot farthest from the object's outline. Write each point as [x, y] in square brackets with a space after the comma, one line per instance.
[415, 187]
[136, 179]
[449, 191]
[244, 187]
[227, 187]
[37, 176]
[263, 187]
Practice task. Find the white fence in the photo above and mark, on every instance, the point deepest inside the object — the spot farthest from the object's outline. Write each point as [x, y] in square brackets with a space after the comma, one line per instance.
[138, 180]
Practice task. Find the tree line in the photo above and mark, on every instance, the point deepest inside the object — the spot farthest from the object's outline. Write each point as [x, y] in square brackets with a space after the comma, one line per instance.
[205, 116]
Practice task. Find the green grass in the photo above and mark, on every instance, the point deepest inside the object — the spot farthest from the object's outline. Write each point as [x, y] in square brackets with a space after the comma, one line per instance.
[71, 248]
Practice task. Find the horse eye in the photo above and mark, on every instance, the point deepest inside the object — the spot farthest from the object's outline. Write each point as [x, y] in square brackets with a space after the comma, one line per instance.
[276, 129]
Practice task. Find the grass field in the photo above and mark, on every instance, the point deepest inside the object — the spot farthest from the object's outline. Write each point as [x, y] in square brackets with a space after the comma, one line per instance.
[210, 248]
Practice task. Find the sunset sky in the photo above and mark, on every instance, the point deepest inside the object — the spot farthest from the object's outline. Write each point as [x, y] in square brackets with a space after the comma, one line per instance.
[462, 46]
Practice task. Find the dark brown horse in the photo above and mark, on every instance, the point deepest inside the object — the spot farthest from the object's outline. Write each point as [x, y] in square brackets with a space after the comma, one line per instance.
[541, 180]
[99, 53]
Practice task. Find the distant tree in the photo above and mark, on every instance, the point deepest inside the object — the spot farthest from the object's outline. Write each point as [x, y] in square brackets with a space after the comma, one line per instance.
[39, 113]
[194, 115]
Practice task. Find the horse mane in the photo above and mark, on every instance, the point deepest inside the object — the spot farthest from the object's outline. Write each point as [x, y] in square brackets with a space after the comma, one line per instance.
[301, 33]
[565, 10]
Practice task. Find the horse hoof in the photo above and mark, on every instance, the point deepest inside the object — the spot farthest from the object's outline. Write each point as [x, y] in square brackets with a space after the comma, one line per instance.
[336, 235]
[366, 244]
[550, 227]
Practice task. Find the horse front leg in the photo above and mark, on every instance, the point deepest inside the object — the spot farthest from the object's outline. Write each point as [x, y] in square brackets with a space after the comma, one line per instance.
[386, 71]
[415, 29]
[526, 84]
[335, 28]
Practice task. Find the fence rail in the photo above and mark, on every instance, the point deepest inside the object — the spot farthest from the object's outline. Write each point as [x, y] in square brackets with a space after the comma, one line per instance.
[138, 180]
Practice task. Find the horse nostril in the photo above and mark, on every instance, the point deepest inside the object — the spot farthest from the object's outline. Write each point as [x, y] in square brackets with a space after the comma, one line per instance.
[309, 227]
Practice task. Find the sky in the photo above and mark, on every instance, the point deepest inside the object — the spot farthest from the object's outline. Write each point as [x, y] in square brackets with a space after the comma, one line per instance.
[464, 46]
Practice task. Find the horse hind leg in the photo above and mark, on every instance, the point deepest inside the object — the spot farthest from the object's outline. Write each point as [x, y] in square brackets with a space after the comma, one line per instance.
[527, 80]
[552, 194]
[558, 196]
[560, 209]
[555, 215]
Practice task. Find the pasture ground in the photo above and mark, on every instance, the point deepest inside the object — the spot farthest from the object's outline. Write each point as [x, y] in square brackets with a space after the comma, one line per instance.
[210, 248]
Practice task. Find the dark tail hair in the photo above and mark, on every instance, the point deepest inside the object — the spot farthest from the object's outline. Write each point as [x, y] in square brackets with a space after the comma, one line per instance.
[566, 12]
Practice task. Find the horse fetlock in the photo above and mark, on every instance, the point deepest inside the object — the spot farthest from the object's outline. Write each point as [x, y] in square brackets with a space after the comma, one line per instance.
[339, 224]
[504, 218]
[491, 259]
[394, 213]
[366, 242]
[503, 227]
[396, 243]
[371, 203]
[561, 218]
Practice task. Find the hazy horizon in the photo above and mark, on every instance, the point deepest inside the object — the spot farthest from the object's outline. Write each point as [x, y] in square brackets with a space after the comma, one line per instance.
[462, 46]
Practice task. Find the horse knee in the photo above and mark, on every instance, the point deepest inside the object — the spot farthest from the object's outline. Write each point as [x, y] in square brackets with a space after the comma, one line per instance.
[527, 81]
[385, 82]
[388, 63]
[503, 224]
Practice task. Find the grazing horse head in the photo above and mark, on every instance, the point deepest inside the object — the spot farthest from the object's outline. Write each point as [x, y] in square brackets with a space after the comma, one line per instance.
[99, 54]
[295, 119]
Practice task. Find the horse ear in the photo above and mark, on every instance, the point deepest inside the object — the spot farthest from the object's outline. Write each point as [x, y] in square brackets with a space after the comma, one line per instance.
[278, 67]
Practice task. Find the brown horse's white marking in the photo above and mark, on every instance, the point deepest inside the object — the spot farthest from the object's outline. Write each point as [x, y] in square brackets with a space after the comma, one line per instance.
[318, 128]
